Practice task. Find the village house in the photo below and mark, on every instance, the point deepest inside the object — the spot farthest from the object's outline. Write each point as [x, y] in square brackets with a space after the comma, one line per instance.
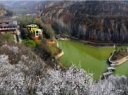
[34, 31]
[10, 26]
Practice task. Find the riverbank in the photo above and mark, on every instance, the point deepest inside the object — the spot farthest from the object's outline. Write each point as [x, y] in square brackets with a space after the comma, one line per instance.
[118, 61]
[63, 39]
[59, 55]
[98, 44]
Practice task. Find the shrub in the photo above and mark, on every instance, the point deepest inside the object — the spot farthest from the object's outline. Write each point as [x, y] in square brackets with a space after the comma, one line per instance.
[25, 20]
[38, 42]
[49, 46]
[48, 31]
[7, 37]
[29, 43]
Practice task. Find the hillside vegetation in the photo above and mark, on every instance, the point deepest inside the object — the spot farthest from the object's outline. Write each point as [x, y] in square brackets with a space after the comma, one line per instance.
[95, 21]
[28, 69]
[23, 72]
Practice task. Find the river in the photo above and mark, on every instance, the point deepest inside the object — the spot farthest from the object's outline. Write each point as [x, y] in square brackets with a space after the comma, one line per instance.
[92, 59]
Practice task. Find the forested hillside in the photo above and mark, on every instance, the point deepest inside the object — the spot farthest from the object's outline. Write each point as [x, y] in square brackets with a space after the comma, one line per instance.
[96, 21]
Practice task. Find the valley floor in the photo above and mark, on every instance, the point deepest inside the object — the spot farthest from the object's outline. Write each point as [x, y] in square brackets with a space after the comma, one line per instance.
[92, 59]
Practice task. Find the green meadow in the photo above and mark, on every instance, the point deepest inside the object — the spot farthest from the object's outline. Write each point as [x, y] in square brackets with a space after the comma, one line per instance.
[92, 59]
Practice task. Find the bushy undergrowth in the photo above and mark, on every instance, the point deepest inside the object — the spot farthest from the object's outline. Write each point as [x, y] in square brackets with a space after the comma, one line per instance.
[29, 43]
[50, 46]
[28, 75]
[7, 37]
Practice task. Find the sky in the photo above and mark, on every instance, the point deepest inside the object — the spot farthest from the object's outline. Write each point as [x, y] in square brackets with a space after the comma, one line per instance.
[32, 0]
[22, 0]
[61, 0]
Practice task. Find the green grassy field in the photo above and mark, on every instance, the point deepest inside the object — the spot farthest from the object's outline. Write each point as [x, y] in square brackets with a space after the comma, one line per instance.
[92, 59]
[122, 69]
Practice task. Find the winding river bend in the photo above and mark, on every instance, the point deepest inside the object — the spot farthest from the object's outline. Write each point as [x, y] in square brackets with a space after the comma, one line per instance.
[92, 59]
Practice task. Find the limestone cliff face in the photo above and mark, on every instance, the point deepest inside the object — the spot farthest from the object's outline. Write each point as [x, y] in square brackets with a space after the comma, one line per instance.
[97, 21]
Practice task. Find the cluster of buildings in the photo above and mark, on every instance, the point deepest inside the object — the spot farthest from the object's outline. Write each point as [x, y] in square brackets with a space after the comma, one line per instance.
[11, 26]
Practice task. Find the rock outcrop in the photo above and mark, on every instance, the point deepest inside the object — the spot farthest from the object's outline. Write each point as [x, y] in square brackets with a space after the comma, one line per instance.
[96, 21]
[3, 11]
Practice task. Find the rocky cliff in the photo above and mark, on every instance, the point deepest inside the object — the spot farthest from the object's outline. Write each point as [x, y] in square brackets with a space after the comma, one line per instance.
[4, 11]
[96, 21]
